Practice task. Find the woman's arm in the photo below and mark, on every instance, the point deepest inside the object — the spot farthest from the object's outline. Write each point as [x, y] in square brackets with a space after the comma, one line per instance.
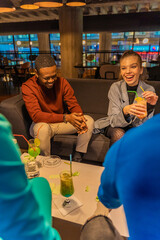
[115, 109]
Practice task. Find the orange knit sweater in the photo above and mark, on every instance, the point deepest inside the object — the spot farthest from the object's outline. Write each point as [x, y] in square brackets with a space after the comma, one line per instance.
[47, 105]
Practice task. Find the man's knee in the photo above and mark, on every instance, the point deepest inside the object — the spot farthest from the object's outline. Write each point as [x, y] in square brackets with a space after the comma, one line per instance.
[89, 122]
[42, 130]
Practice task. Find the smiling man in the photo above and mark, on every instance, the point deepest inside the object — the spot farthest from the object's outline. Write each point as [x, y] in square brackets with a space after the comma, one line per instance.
[54, 109]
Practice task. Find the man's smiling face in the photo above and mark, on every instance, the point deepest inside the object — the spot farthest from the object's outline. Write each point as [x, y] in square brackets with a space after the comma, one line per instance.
[47, 76]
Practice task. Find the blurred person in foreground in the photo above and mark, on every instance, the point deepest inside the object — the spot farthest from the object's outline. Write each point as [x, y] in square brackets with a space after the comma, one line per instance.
[20, 217]
[124, 112]
[131, 177]
[99, 226]
[53, 108]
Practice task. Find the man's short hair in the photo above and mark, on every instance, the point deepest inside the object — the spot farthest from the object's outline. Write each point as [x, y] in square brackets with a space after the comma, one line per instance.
[43, 61]
[99, 227]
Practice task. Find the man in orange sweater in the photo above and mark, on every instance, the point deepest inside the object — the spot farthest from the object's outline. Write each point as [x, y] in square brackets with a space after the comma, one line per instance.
[45, 96]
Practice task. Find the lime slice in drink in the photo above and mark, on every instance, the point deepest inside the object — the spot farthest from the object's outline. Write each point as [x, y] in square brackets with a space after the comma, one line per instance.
[34, 152]
[37, 141]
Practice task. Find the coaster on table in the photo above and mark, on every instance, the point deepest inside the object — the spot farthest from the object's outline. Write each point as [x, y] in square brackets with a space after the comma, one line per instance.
[75, 203]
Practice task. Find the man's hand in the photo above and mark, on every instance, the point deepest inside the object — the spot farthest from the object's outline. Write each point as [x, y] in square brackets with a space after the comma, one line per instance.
[135, 109]
[84, 127]
[78, 121]
[150, 97]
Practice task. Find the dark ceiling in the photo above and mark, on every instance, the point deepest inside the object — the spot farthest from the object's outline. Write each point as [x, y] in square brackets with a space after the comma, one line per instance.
[92, 8]
[99, 15]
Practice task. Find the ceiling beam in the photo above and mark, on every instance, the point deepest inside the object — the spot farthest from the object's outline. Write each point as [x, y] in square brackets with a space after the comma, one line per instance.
[149, 21]
[29, 27]
[121, 2]
[144, 21]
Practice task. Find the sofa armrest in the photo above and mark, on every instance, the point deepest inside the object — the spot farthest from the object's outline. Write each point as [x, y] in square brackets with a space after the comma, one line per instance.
[15, 111]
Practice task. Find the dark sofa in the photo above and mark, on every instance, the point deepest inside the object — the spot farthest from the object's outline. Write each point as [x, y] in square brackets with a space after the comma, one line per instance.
[92, 97]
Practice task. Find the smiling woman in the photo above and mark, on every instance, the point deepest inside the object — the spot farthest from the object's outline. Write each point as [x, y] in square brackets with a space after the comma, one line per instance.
[124, 112]
[131, 68]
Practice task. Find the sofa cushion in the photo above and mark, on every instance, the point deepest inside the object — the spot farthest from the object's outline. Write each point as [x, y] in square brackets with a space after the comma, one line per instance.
[92, 95]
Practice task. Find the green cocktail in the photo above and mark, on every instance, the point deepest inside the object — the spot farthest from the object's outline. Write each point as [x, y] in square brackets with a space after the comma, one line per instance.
[33, 149]
[67, 188]
[31, 165]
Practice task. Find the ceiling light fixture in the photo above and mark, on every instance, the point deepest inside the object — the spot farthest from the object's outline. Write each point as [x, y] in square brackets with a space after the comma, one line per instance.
[74, 3]
[48, 3]
[6, 6]
[28, 4]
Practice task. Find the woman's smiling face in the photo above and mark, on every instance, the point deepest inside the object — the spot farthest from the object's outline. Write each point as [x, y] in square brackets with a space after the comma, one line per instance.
[130, 70]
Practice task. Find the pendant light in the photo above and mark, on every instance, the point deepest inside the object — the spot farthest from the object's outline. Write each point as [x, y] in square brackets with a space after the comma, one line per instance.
[6, 6]
[28, 4]
[48, 3]
[76, 3]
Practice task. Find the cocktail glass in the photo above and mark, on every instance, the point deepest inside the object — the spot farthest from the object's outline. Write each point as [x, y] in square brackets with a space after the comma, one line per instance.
[142, 101]
[33, 149]
[67, 188]
[31, 165]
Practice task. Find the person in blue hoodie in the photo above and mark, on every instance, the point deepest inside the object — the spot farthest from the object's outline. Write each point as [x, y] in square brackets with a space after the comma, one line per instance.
[20, 218]
[131, 177]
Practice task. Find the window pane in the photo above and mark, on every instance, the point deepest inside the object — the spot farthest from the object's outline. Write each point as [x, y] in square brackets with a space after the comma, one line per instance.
[6, 46]
[55, 42]
[90, 44]
[55, 47]
[145, 43]
[22, 46]
[122, 41]
[34, 43]
[149, 42]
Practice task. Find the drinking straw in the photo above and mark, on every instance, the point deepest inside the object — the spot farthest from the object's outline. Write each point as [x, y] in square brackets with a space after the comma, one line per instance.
[39, 129]
[71, 164]
[142, 88]
[134, 92]
[18, 135]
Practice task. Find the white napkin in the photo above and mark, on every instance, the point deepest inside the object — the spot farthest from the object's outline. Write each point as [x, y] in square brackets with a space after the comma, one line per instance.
[74, 204]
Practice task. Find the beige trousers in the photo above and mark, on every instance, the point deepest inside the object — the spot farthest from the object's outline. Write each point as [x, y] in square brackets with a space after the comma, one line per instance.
[46, 131]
